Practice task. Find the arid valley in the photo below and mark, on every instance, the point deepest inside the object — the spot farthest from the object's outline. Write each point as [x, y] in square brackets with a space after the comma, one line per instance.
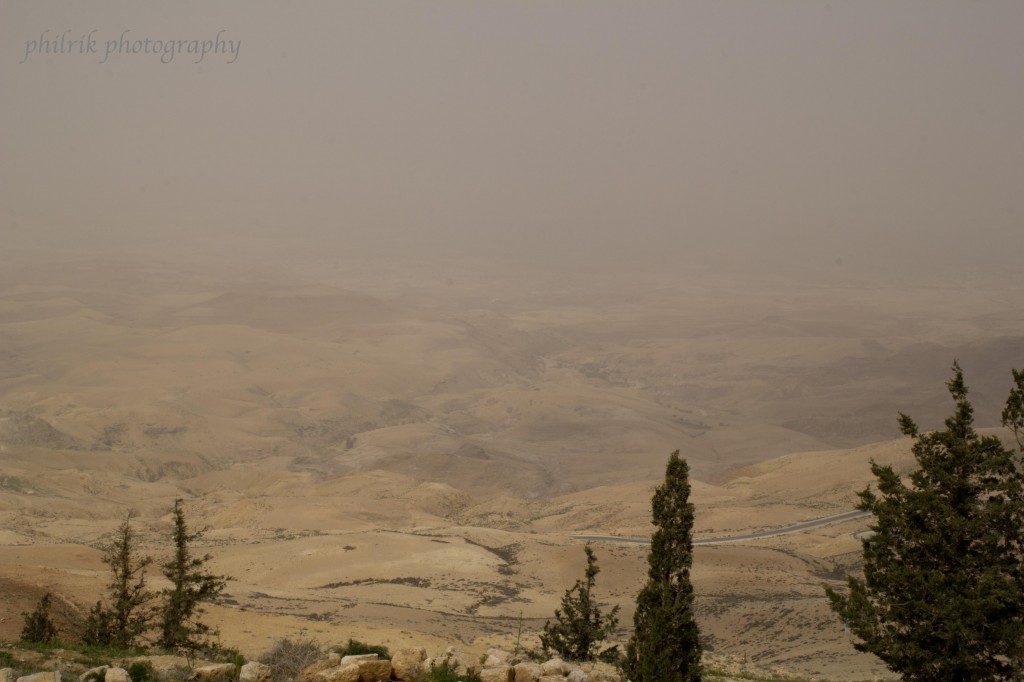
[403, 455]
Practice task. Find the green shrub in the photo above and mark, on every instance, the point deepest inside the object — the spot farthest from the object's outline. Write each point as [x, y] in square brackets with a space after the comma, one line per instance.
[357, 648]
[142, 671]
[446, 672]
[39, 629]
[227, 654]
[287, 658]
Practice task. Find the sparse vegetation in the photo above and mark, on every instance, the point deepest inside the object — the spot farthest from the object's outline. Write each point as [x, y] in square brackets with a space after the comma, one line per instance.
[288, 657]
[445, 671]
[664, 646]
[39, 628]
[942, 597]
[356, 648]
[580, 626]
[12, 483]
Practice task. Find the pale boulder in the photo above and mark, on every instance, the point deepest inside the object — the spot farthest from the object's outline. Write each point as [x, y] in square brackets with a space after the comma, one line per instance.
[254, 672]
[527, 672]
[407, 664]
[604, 672]
[556, 667]
[315, 668]
[121, 675]
[8, 675]
[501, 673]
[208, 673]
[454, 661]
[497, 657]
[348, 672]
[40, 677]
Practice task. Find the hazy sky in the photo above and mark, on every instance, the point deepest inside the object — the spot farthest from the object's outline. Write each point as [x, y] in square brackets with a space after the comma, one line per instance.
[867, 131]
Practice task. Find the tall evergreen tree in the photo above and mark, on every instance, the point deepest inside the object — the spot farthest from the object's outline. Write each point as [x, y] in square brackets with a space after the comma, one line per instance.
[130, 613]
[579, 625]
[665, 645]
[191, 586]
[942, 597]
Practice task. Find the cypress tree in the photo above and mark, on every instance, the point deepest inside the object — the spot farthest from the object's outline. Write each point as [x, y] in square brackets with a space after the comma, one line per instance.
[942, 597]
[665, 645]
[191, 586]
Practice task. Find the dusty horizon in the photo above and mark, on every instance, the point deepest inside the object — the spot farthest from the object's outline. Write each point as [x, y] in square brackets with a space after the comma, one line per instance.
[870, 137]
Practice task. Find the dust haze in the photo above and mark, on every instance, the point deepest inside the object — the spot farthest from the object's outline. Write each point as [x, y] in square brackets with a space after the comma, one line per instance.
[444, 283]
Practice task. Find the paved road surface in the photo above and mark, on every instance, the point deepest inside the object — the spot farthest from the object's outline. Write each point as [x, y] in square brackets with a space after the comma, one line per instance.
[770, 533]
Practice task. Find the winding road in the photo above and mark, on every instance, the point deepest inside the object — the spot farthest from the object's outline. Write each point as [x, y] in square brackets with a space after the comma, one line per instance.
[770, 533]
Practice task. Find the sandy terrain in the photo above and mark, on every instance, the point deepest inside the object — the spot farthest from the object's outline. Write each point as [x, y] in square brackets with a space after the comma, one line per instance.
[404, 460]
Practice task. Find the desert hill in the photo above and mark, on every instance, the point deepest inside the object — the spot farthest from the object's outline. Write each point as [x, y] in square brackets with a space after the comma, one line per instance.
[378, 552]
[401, 459]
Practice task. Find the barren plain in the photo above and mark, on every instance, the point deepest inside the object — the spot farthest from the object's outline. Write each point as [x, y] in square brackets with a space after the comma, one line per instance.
[402, 454]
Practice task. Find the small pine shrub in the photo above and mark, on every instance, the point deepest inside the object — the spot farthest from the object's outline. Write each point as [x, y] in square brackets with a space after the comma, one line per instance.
[98, 627]
[357, 648]
[142, 671]
[39, 629]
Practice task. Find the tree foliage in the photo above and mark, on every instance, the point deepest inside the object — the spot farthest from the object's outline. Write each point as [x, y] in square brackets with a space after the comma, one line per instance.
[191, 586]
[1013, 413]
[98, 630]
[39, 628]
[942, 597]
[580, 626]
[129, 613]
[665, 645]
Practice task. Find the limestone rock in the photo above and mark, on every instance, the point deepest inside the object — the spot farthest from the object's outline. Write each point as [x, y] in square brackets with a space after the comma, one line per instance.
[375, 671]
[577, 675]
[95, 674]
[527, 672]
[254, 672]
[207, 673]
[121, 675]
[603, 672]
[497, 657]
[459, 665]
[8, 675]
[502, 673]
[407, 664]
[556, 667]
[348, 672]
[40, 677]
[313, 669]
